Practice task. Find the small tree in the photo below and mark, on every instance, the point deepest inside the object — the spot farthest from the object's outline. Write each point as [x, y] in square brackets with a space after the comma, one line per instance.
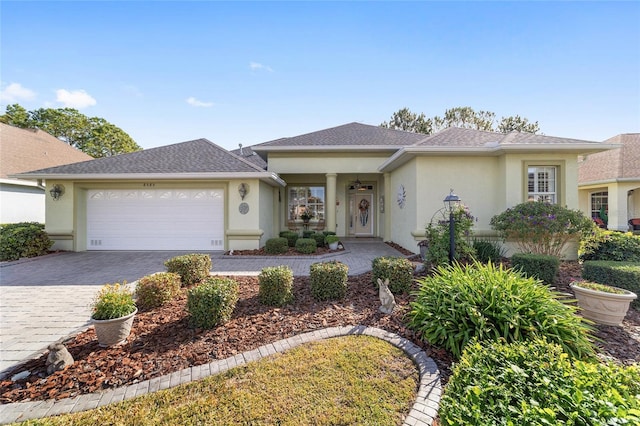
[540, 227]
[438, 237]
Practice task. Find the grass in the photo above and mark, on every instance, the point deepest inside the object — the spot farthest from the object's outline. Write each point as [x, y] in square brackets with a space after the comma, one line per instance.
[344, 380]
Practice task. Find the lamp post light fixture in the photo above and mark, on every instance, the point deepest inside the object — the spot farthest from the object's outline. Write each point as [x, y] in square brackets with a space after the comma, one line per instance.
[56, 191]
[450, 203]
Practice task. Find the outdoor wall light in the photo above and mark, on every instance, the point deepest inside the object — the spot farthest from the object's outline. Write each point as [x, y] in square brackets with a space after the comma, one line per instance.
[243, 190]
[450, 203]
[357, 184]
[56, 191]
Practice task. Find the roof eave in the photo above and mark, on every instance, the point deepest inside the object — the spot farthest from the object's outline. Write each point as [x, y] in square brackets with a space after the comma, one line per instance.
[608, 181]
[271, 178]
[337, 148]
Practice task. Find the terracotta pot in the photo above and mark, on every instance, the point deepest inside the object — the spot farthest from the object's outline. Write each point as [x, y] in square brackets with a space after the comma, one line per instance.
[602, 307]
[115, 331]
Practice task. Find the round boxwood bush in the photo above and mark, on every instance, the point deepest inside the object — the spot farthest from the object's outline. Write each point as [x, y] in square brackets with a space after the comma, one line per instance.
[306, 245]
[319, 237]
[459, 303]
[328, 280]
[157, 289]
[212, 302]
[291, 237]
[276, 285]
[535, 383]
[276, 245]
[24, 239]
[192, 268]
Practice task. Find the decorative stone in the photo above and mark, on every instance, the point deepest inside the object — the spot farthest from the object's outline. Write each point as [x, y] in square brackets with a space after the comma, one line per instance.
[386, 297]
[21, 375]
[59, 358]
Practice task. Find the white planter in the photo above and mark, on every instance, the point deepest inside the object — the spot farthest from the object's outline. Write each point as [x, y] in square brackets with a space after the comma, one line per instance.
[115, 331]
[334, 246]
[602, 307]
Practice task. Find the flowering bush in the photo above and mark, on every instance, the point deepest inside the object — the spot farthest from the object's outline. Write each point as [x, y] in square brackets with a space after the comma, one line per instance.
[306, 215]
[540, 227]
[437, 236]
[113, 301]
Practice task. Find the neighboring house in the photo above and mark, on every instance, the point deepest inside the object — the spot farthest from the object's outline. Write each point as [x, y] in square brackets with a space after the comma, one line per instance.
[22, 150]
[609, 183]
[358, 180]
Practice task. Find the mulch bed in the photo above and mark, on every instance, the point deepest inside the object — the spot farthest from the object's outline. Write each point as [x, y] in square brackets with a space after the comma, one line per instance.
[162, 340]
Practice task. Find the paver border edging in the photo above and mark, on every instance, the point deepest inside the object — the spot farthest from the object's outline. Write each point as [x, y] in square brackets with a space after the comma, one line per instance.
[423, 412]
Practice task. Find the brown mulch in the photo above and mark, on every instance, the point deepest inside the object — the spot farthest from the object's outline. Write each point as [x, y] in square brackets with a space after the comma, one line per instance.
[162, 341]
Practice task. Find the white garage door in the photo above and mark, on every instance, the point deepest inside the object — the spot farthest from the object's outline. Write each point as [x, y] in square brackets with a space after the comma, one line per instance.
[155, 219]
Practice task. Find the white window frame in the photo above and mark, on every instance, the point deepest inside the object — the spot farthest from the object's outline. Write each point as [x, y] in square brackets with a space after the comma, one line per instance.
[542, 183]
[596, 202]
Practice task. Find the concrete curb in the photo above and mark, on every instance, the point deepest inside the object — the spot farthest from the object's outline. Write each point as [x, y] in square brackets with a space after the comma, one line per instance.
[423, 412]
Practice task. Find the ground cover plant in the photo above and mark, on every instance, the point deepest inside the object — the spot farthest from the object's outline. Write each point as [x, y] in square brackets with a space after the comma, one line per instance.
[344, 380]
[536, 383]
[488, 302]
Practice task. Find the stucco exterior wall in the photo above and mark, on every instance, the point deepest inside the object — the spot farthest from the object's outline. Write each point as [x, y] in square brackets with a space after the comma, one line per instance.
[19, 203]
[322, 163]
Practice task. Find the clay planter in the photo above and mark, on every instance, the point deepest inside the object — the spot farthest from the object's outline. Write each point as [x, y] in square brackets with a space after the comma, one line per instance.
[603, 307]
[115, 331]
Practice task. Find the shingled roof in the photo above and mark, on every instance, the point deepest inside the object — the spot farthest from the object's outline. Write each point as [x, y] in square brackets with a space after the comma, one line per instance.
[621, 163]
[199, 156]
[347, 135]
[22, 150]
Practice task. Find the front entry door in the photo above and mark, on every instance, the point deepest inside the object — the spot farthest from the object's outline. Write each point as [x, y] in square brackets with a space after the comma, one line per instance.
[361, 212]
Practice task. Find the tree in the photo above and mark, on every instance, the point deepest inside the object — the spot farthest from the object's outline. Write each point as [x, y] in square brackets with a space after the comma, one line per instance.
[464, 117]
[92, 135]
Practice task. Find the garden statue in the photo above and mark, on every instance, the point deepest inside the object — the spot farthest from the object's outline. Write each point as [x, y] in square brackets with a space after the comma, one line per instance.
[386, 297]
[59, 358]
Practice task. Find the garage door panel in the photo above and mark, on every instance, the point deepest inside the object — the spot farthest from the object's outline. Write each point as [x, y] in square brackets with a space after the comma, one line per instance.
[155, 219]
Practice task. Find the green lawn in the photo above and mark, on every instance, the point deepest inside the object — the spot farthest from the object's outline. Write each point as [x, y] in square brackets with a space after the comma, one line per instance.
[345, 380]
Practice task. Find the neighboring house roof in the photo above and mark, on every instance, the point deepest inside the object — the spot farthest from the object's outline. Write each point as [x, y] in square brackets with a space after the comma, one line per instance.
[350, 136]
[22, 150]
[248, 154]
[458, 141]
[617, 164]
[199, 158]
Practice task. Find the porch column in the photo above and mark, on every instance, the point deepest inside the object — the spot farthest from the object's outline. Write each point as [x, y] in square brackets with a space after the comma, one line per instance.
[386, 183]
[617, 208]
[330, 206]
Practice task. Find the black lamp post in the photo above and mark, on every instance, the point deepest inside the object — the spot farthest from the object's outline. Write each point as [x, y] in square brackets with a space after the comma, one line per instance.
[450, 203]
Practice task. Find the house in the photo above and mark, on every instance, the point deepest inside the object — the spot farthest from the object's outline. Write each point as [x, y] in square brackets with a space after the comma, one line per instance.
[358, 180]
[22, 150]
[609, 183]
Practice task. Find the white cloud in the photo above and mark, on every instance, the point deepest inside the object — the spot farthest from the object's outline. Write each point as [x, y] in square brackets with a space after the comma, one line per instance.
[15, 92]
[76, 99]
[256, 66]
[196, 103]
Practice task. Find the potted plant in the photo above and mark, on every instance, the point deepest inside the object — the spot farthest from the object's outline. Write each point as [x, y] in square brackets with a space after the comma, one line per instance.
[112, 314]
[602, 303]
[306, 215]
[332, 241]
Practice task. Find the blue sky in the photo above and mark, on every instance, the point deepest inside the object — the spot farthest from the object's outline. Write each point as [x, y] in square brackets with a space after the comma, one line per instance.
[246, 72]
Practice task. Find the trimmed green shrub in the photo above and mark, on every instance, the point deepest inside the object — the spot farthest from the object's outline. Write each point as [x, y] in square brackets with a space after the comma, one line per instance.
[308, 233]
[540, 227]
[276, 245]
[212, 302]
[291, 237]
[319, 237]
[283, 233]
[610, 245]
[328, 280]
[459, 303]
[488, 251]
[539, 266]
[328, 233]
[331, 238]
[398, 270]
[276, 285]
[192, 268]
[157, 289]
[24, 239]
[535, 383]
[438, 238]
[618, 274]
[306, 245]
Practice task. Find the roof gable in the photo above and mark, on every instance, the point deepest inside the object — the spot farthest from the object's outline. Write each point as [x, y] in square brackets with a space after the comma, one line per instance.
[621, 163]
[22, 150]
[196, 156]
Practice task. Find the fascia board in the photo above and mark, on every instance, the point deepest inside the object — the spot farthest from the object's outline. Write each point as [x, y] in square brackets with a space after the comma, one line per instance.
[271, 178]
[608, 181]
[21, 182]
[336, 148]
